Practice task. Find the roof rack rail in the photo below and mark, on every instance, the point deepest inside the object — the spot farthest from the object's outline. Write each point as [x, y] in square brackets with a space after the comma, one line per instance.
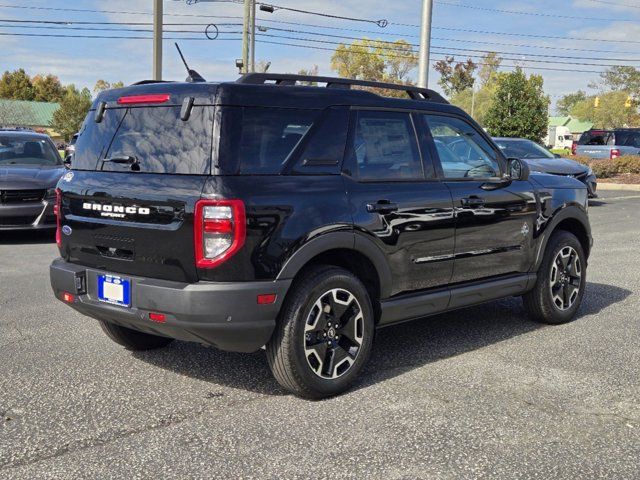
[146, 82]
[285, 79]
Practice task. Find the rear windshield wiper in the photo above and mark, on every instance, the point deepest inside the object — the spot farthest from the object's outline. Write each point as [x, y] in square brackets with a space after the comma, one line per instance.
[126, 160]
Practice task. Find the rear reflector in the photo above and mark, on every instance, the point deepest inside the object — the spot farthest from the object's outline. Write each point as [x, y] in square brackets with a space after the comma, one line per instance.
[157, 317]
[155, 98]
[68, 297]
[267, 299]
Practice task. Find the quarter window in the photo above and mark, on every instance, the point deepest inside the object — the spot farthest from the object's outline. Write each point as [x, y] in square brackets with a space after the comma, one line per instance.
[463, 152]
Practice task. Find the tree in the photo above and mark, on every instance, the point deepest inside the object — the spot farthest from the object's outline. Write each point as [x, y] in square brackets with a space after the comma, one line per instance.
[47, 88]
[621, 78]
[313, 72]
[16, 85]
[489, 66]
[611, 112]
[566, 103]
[455, 77]
[520, 108]
[102, 85]
[475, 103]
[74, 107]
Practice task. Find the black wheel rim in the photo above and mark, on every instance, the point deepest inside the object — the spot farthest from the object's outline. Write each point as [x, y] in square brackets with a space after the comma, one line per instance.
[333, 333]
[565, 278]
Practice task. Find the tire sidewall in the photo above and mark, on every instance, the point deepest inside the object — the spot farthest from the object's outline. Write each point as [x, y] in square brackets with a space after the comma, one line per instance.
[303, 303]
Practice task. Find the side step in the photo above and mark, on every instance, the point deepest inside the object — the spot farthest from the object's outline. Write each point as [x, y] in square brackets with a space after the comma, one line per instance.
[417, 305]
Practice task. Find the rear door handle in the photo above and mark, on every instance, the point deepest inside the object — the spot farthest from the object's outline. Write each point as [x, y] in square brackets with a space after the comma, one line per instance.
[472, 201]
[382, 206]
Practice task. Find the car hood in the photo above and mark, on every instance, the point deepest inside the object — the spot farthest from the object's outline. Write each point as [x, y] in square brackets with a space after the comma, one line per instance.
[559, 166]
[27, 178]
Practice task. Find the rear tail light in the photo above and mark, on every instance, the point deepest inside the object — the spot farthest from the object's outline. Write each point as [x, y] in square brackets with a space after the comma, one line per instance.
[574, 148]
[615, 153]
[219, 231]
[57, 210]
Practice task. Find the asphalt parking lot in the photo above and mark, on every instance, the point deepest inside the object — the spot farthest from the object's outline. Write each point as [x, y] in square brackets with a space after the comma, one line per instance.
[478, 393]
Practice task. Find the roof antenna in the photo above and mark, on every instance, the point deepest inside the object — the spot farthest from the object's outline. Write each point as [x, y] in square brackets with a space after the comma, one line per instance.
[193, 75]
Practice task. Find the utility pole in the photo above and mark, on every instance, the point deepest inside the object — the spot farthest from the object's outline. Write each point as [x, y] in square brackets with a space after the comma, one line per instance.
[425, 44]
[252, 63]
[245, 36]
[157, 39]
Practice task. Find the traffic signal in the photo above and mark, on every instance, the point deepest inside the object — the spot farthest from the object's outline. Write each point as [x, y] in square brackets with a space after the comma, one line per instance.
[628, 102]
[596, 102]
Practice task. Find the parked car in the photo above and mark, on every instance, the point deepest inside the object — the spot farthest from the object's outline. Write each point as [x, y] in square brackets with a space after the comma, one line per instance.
[609, 143]
[542, 160]
[30, 167]
[263, 212]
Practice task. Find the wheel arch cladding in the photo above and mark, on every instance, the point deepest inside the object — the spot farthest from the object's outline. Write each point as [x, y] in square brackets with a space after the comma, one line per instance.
[570, 219]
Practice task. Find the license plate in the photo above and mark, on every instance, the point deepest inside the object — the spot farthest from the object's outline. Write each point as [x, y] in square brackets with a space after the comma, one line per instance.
[114, 290]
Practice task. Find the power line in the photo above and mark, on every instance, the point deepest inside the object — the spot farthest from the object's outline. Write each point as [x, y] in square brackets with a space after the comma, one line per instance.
[624, 5]
[536, 14]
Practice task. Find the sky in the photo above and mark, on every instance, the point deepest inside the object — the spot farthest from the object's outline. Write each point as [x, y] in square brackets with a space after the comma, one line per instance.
[594, 32]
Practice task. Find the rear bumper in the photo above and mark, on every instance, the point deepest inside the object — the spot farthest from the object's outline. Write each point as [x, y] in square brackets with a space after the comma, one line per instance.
[28, 216]
[225, 315]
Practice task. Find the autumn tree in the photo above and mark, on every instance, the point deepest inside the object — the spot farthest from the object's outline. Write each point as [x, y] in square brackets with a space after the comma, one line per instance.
[489, 65]
[455, 77]
[73, 109]
[102, 85]
[620, 78]
[47, 88]
[520, 108]
[566, 103]
[611, 112]
[313, 72]
[16, 85]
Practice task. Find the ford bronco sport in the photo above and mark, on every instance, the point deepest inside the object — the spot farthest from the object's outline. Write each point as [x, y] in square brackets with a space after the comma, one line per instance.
[265, 213]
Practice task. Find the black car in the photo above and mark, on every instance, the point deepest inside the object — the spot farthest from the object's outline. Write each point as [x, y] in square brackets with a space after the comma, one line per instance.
[263, 212]
[30, 168]
[542, 160]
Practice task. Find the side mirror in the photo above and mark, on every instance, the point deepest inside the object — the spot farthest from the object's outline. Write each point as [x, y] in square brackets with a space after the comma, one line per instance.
[67, 161]
[517, 169]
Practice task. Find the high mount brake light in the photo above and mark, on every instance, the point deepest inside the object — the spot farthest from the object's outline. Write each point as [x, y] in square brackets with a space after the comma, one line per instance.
[151, 98]
[219, 231]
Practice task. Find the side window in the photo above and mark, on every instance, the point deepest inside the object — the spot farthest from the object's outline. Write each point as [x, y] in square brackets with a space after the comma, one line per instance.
[462, 150]
[323, 152]
[385, 147]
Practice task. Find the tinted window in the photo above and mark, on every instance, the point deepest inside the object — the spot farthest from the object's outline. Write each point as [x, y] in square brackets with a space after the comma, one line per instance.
[25, 150]
[324, 150]
[94, 138]
[462, 150]
[522, 149]
[257, 140]
[385, 147]
[628, 138]
[161, 142]
[596, 137]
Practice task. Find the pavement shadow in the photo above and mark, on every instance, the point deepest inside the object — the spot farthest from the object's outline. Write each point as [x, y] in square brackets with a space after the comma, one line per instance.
[396, 350]
[27, 237]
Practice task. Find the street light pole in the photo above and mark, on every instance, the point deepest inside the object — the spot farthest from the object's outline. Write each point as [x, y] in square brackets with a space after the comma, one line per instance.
[245, 36]
[157, 39]
[425, 44]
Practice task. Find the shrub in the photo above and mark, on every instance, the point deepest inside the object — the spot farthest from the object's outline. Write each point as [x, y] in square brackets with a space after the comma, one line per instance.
[606, 168]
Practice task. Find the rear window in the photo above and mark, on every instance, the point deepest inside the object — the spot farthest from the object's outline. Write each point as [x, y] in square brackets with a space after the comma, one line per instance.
[155, 139]
[596, 137]
[628, 138]
[257, 140]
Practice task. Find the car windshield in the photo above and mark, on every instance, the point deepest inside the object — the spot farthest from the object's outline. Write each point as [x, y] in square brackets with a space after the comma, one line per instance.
[23, 150]
[523, 149]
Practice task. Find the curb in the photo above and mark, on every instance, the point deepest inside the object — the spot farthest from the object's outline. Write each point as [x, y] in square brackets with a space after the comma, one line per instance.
[619, 186]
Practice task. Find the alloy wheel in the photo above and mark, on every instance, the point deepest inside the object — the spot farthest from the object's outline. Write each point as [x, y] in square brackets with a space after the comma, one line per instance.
[565, 278]
[333, 333]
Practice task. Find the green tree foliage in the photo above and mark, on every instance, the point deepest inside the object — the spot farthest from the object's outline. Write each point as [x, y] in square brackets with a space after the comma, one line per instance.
[313, 71]
[621, 78]
[47, 88]
[475, 103]
[567, 102]
[455, 77]
[376, 60]
[611, 113]
[102, 85]
[16, 85]
[520, 107]
[489, 66]
[73, 109]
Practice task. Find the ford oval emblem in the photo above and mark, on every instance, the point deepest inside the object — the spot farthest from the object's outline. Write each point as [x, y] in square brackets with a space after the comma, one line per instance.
[66, 229]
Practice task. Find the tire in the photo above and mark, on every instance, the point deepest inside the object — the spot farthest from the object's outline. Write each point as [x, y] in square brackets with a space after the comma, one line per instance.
[549, 302]
[133, 339]
[325, 301]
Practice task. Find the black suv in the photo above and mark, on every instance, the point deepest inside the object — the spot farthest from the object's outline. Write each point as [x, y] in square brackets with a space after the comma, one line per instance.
[263, 212]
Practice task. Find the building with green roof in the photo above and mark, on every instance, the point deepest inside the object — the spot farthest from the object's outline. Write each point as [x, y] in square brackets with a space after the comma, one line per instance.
[23, 113]
[575, 126]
